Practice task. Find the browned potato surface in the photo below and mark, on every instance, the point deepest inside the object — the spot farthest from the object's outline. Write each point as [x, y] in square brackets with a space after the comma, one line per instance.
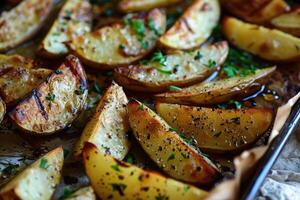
[56, 102]
[143, 5]
[217, 130]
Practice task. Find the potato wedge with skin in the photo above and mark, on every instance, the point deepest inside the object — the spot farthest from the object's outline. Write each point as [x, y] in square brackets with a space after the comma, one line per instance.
[266, 43]
[217, 91]
[74, 19]
[288, 22]
[128, 6]
[123, 43]
[56, 102]
[10, 61]
[37, 181]
[259, 12]
[217, 130]
[167, 149]
[179, 69]
[16, 83]
[22, 22]
[114, 179]
[108, 127]
[194, 27]
[85, 193]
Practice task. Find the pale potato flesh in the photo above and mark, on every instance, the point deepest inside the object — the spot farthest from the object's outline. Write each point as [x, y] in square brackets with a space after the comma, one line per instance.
[22, 22]
[16, 83]
[179, 69]
[217, 130]
[37, 181]
[56, 102]
[114, 179]
[167, 149]
[2, 110]
[218, 91]
[288, 22]
[143, 5]
[194, 27]
[108, 127]
[74, 19]
[118, 44]
[85, 193]
[269, 44]
[254, 11]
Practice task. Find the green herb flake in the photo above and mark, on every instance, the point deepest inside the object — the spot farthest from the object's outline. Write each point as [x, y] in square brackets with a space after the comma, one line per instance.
[161, 197]
[44, 163]
[121, 46]
[67, 194]
[173, 88]
[185, 156]
[130, 158]
[138, 27]
[171, 157]
[50, 97]
[159, 57]
[97, 88]
[10, 169]
[198, 56]
[211, 63]
[141, 106]
[151, 26]
[119, 187]
[167, 72]
[58, 71]
[186, 188]
[80, 91]
[173, 129]
[115, 167]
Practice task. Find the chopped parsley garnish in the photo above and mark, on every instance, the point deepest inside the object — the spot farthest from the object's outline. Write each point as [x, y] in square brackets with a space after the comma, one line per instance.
[130, 159]
[187, 140]
[50, 97]
[138, 27]
[121, 46]
[97, 88]
[240, 63]
[173, 129]
[161, 197]
[185, 156]
[236, 104]
[198, 56]
[10, 169]
[173, 88]
[186, 188]
[171, 157]
[211, 63]
[44, 163]
[141, 107]
[115, 167]
[119, 187]
[159, 57]
[80, 91]
[67, 193]
[168, 72]
[152, 27]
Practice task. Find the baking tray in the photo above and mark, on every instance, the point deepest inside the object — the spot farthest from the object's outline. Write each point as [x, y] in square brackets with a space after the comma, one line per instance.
[250, 190]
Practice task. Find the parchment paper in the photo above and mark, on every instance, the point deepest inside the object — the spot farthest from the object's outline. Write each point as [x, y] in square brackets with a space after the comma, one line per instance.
[229, 190]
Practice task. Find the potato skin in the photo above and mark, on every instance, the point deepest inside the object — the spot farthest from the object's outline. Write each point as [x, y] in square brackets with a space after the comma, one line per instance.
[2, 109]
[128, 6]
[17, 82]
[118, 44]
[115, 179]
[167, 149]
[258, 12]
[288, 22]
[36, 182]
[56, 102]
[185, 69]
[108, 127]
[23, 22]
[194, 26]
[269, 44]
[217, 130]
[75, 19]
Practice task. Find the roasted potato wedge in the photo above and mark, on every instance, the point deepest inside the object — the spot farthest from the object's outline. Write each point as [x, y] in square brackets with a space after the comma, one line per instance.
[217, 91]
[17, 82]
[167, 148]
[85, 193]
[10, 61]
[2, 110]
[114, 179]
[178, 68]
[56, 102]
[75, 19]
[108, 127]
[288, 22]
[194, 27]
[128, 6]
[217, 130]
[268, 44]
[253, 11]
[37, 181]
[22, 22]
[122, 43]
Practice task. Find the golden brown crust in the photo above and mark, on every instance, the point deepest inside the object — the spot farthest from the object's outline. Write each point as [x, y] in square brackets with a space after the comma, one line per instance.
[144, 5]
[56, 102]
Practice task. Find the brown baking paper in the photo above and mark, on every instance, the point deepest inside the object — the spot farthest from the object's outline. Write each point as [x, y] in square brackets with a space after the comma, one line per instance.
[246, 161]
